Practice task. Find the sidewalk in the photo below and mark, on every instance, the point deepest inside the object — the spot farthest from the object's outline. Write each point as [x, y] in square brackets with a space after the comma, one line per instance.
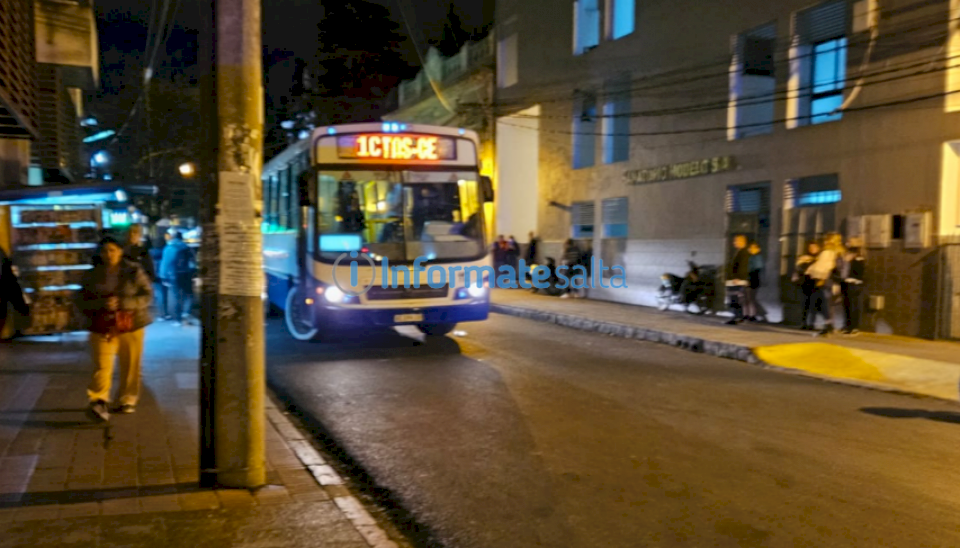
[885, 362]
[65, 481]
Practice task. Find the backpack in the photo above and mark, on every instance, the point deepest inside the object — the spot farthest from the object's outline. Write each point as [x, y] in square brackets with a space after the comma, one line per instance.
[183, 261]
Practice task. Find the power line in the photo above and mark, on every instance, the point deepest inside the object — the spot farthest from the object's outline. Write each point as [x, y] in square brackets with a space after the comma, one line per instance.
[898, 36]
[777, 96]
[898, 102]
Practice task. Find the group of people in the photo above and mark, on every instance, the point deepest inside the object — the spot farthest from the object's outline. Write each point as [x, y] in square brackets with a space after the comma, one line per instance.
[743, 278]
[116, 296]
[830, 276]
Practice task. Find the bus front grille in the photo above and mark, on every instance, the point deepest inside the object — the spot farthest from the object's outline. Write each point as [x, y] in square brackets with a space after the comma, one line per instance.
[378, 293]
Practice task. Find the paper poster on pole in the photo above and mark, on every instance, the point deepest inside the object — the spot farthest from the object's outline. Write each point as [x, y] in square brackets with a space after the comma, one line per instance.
[236, 197]
[241, 274]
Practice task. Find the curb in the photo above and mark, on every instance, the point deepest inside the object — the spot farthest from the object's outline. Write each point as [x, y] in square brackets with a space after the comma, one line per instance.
[693, 344]
[686, 342]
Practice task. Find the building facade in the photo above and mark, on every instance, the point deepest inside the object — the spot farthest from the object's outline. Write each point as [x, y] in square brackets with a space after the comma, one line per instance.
[48, 58]
[455, 91]
[657, 130]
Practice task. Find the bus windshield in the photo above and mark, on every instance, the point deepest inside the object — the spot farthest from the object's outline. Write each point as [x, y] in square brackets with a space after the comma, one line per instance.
[400, 215]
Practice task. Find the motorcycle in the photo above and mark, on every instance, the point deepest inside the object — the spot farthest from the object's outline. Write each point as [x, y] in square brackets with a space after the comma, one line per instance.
[697, 288]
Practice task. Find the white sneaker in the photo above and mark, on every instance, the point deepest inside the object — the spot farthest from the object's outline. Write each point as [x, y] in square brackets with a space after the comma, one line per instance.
[565, 296]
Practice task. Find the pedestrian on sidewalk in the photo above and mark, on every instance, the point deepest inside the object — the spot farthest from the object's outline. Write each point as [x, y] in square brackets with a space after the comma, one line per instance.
[513, 256]
[115, 296]
[532, 245]
[586, 261]
[571, 258]
[159, 290]
[177, 270]
[808, 286]
[138, 251]
[751, 306]
[851, 285]
[825, 270]
[11, 293]
[499, 253]
[738, 277]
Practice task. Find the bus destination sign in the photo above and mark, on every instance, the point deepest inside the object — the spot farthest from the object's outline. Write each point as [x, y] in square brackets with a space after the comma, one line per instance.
[397, 146]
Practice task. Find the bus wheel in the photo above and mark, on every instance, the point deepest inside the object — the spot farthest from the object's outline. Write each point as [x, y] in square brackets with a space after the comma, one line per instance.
[297, 316]
[436, 329]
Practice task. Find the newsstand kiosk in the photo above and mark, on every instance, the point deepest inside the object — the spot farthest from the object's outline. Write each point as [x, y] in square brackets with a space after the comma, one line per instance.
[51, 234]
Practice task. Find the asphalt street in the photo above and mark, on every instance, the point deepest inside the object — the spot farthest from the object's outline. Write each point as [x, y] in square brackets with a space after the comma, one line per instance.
[521, 434]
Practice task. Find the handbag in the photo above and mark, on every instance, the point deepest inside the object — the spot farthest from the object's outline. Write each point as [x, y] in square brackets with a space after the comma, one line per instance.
[113, 322]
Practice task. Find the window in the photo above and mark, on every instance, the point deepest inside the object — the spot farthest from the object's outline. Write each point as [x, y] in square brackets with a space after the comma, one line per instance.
[438, 216]
[582, 219]
[620, 18]
[586, 25]
[584, 130]
[818, 64]
[616, 122]
[820, 197]
[615, 217]
[507, 71]
[752, 83]
[829, 72]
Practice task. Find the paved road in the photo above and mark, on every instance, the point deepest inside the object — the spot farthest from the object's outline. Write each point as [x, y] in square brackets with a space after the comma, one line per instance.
[522, 434]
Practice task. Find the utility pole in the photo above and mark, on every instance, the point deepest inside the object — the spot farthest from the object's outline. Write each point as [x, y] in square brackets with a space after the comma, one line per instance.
[232, 420]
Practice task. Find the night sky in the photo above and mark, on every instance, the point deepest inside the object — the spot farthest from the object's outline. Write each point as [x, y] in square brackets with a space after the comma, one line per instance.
[288, 25]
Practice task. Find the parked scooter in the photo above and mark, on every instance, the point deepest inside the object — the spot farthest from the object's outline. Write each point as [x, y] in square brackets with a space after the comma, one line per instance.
[552, 280]
[696, 289]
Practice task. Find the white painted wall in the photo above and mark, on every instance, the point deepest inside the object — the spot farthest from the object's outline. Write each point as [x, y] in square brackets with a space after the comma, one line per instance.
[518, 148]
[950, 190]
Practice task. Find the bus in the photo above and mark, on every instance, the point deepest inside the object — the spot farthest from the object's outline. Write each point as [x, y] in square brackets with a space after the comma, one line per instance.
[356, 216]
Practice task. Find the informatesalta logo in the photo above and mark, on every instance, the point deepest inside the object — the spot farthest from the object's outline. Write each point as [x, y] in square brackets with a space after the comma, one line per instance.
[438, 276]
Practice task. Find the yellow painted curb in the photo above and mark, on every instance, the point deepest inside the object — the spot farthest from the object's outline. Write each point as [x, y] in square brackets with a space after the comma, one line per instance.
[821, 359]
[904, 373]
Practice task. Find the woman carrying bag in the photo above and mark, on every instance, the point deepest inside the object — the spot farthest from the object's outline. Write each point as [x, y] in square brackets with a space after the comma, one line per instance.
[115, 296]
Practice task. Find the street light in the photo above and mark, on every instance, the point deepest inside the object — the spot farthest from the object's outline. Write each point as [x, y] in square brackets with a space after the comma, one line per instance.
[99, 158]
[187, 169]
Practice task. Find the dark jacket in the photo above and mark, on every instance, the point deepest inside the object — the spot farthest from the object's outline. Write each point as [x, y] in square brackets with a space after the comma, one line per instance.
[571, 255]
[738, 268]
[134, 290]
[10, 290]
[532, 251]
[178, 262]
[141, 255]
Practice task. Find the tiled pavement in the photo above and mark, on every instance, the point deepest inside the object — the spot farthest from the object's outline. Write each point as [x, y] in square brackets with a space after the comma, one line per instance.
[65, 481]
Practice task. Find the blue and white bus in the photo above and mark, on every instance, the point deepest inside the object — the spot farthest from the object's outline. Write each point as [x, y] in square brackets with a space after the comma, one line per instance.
[386, 193]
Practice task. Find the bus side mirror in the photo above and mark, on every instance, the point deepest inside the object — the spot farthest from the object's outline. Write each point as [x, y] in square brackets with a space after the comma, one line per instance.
[307, 187]
[486, 188]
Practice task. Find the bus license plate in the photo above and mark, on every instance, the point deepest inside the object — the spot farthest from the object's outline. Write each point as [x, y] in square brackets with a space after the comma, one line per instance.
[405, 318]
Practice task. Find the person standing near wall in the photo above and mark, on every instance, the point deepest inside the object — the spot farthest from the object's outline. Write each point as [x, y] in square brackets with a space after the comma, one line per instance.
[738, 277]
[532, 245]
[825, 270]
[851, 285]
[752, 307]
[808, 286]
[571, 258]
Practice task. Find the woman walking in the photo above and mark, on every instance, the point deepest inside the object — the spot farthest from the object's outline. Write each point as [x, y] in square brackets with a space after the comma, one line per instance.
[115, 297]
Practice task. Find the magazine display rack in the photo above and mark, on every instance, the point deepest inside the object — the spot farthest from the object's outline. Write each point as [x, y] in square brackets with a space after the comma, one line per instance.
[53, 246]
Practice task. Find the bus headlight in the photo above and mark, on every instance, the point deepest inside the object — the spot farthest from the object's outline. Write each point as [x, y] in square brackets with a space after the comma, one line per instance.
[477, 291]
[333, 295]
